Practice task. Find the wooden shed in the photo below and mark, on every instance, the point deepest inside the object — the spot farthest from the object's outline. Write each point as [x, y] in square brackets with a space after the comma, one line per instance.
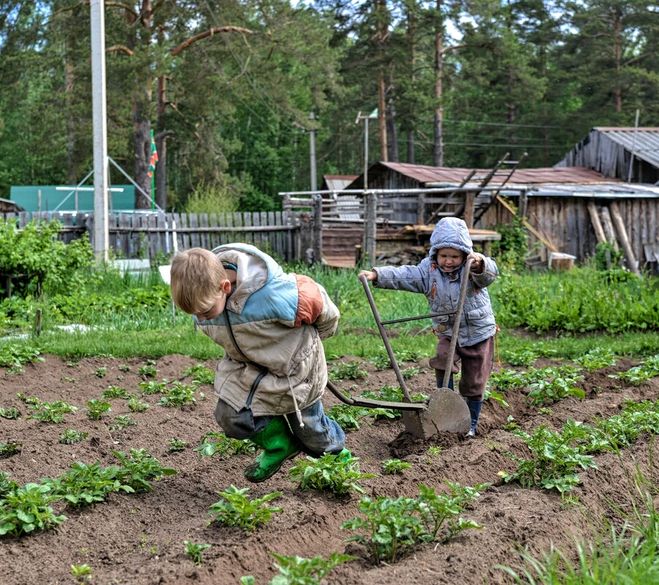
[628, 154]
[568, 207]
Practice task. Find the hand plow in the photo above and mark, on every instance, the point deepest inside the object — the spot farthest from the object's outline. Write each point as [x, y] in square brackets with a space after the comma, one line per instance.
[444, 410]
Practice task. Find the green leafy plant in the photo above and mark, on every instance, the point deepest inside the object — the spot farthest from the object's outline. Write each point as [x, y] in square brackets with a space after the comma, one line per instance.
[101, 372]
[136, 405]
[139, 468]
[561, 385]
[71, 436]
[15, 356]
[641, 373]
[523, 357]
[495, 396]
[6, 485]
[122, 421]
[115, 392]
[27, 509]
[408, 373]
[347, 371]
[152, 386]
[554, 462]
[347, 416]
[195, 551]
[83, 484]
[179, 395]
[393, 527]
[148, 370]
[214, 443]
[175, 445]
[97, 408]
[338, 474]
[52, 412]
[81, 573]
[294, 570]
[9, 448]
[597, 358]
[394, 466]
[200, 374]
[381, 362]
[10, 413]
[235, 508]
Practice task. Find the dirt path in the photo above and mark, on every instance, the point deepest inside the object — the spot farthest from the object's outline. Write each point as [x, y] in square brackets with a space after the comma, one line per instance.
[138, 539]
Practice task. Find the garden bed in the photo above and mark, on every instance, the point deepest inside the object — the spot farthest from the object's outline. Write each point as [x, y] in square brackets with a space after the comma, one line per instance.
[137, 539]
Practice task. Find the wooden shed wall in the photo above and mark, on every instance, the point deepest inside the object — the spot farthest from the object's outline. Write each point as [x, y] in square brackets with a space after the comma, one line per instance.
[566, 222]
[606, 156]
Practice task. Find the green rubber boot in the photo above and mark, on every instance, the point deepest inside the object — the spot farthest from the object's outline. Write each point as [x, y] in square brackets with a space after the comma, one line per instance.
[278, 445]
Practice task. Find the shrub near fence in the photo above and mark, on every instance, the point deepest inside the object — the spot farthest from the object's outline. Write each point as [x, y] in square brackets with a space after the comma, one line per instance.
[284, 234]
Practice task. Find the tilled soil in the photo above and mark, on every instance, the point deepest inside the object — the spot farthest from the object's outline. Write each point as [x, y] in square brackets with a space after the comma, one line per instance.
[137, 539]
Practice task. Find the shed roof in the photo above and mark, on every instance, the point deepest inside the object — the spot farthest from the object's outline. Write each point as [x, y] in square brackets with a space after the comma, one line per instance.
[337, 182]
[644, 142]
[427, 175]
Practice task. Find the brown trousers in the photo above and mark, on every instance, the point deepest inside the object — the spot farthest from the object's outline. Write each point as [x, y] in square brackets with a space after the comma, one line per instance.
[476, 361]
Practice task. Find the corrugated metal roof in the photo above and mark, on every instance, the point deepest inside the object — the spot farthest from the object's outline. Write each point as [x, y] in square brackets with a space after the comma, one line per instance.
[337, 182]
[427, 175]
[600, 191]
[644, 142]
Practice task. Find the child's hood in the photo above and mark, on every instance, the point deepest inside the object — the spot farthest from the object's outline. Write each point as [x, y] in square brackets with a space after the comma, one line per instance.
[254, 270]
[450, 232]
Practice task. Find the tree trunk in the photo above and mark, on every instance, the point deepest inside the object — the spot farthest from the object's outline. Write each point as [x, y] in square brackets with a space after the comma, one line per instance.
[617, 55]
[438, 118]
[391, 131]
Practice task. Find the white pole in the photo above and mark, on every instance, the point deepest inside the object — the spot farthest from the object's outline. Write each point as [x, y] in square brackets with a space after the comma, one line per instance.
[101, 226]
[312, 154]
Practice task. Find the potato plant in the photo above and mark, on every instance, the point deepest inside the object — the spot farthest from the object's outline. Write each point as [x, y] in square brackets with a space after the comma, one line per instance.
[215, 443]
[200, 374]
[394, 466]
[71, 436]
[97, 408]
[295, 570]
[639, 374]
[347, 371]
[50, 412]
[393, 527]
[11, 413]
[347, 416]
[338, 474]
[178, 395]
[195, 550]
[9, 448]
[27, 509]
[235, 508]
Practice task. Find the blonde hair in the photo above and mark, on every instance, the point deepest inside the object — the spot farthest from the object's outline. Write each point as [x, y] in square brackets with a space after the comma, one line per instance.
[197, 275]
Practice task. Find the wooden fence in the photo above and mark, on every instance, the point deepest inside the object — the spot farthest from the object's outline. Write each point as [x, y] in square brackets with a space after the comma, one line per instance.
[283, 234]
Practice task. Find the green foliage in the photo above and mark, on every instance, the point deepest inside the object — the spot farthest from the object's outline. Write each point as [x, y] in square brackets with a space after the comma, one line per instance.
[223, 445]
[122, 421]
[221, 197]
[393, 527]
[561, 384]
[511, 250]
[338, 474]
[235, 508]
[134, 404]
[9, 448]
[15, 356]
[6, 485]
[178, 395]
[71, 436]
[200, 374]
[81, 573]
[195, 550]
[37, 260]
[84, 484]
[27, 509]
[152, 386]
[175, 445]
[148, 370]
[97, 408]
[639, 374]
[579, 301]
[139, 468]
[11, 413]
[347, 416]
[51, 412]
[524, 357]
[596, 359]
[115, 392]
[607, 257]
[394, 466]
[347, 371]
[296, 570]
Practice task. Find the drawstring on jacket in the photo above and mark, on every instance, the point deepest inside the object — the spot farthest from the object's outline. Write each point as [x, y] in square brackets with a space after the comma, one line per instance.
[298, 414]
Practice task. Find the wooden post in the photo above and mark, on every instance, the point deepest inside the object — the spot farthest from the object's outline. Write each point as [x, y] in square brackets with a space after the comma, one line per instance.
[523, 203]
[607, 224]
[317, 227]
[421, 209]
[597, 224]
[624, 240]
[469, 209]
[370, 225]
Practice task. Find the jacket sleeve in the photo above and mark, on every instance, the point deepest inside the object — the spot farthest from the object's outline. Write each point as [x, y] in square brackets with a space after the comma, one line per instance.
[488, 276]
[315, 307]
[409, 278]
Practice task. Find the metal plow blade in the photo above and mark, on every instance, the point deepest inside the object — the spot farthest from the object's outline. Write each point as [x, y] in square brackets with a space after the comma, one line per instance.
[446, 412]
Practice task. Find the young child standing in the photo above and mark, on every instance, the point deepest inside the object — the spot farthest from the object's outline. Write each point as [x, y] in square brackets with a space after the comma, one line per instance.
[273, 374]
[438, 277]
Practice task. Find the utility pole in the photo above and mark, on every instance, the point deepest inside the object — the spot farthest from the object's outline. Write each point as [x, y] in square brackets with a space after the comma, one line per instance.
[312, 152]
[101, 175]
[370, 199]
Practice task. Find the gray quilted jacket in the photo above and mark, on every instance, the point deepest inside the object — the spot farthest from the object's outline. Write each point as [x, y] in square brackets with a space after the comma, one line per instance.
[443, 289]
